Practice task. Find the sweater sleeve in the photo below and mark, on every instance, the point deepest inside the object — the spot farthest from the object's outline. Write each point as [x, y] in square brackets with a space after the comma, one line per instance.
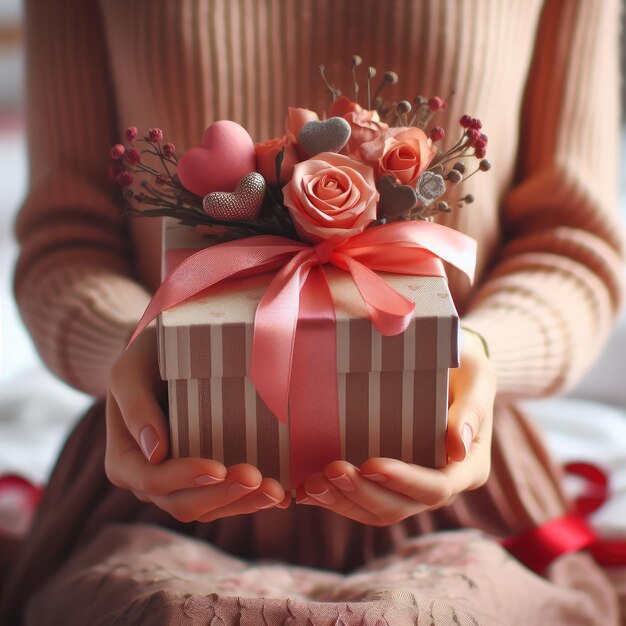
[74, 280]
[547, 306]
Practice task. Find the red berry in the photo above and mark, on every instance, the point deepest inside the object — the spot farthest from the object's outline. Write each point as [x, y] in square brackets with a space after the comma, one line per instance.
[155, 135]
[466, 121]
[480, 153]
[480, 144]
[117, 151]
[124, 179]
[131, 133]
[133, 156]
[436, 103]
[472, 136]
[437, 133]
[169, 148]
[476, 124]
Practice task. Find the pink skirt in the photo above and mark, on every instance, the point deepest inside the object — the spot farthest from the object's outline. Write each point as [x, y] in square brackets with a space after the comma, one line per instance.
[96, 555]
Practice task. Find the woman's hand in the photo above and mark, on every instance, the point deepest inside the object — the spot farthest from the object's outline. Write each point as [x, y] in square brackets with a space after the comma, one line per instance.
[190, 489]
[385, 491]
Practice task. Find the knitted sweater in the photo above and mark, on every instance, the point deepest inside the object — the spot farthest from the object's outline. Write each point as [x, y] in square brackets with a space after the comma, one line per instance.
[541, 74]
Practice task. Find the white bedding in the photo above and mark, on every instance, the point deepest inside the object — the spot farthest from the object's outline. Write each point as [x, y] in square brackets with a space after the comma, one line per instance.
[36, 410]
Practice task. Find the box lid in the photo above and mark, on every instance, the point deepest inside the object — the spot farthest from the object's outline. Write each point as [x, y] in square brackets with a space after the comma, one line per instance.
[211, 336]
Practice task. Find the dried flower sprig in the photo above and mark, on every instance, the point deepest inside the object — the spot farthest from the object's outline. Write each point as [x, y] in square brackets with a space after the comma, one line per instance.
[390, 148]
[445, 172]
[163, 195]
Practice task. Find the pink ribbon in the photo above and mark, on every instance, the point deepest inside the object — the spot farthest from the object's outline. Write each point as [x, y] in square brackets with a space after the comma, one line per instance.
[293, 361]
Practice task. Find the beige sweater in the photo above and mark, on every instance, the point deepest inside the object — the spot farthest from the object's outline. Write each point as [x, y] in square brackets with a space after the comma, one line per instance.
[542, 76]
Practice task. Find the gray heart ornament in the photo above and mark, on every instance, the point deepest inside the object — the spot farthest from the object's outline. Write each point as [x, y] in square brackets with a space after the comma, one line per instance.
[430, 186]
[395, 199]
[243, 204]
[331, 135]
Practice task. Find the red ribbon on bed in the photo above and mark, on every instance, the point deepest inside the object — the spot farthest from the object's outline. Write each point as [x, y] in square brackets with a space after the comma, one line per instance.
[293, 366]
[538, 547]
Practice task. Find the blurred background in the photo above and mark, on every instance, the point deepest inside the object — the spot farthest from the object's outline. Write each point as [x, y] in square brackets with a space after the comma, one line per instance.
[36, 410]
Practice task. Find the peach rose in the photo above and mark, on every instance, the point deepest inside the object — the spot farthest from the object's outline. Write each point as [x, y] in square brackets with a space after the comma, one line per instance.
[266, 153]
[296, 119]
[406, 155]
[365, 125]
[331, 196]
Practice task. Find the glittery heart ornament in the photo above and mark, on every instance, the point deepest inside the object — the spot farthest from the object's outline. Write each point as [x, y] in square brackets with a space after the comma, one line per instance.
[243, 204]
[395, 199]
[430, 186]
[225, 155]
[331, 135]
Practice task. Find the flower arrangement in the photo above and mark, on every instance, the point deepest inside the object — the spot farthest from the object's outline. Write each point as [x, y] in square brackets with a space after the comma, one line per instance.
[325, 178]
[352, 189]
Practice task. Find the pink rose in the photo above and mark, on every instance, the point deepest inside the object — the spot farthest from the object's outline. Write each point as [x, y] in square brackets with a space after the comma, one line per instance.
[266, 154]
[406, 155]
[331, 196]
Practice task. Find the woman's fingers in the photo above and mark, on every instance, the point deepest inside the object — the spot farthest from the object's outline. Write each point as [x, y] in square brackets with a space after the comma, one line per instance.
[137, 446]
[127, 467]
[267, 495]
[242, 492]
[428, 487]
[361, 500]
[134, 384]
[187, 488]
[319, 491]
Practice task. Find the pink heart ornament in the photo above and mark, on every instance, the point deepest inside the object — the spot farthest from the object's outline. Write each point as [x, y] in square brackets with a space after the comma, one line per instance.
[225, 155]
[243, 204]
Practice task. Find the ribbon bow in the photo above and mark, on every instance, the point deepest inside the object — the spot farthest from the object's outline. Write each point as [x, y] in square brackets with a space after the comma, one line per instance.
[291, 385]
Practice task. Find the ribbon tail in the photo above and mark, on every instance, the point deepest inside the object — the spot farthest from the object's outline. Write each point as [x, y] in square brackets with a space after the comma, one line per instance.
[274, 337]
[314, 432]
[390, 312]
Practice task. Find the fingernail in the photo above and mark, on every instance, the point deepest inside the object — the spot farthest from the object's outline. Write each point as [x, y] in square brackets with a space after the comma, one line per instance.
[304, 500]
[263, 500]
[149, 441]
[377, 478]
[326, 497]
[207, 479]
[286, 505]
[343, 482]
[238, 489]
[467, 436]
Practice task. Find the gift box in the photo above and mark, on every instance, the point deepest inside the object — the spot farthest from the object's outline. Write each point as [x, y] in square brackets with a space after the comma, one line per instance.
[392, 390]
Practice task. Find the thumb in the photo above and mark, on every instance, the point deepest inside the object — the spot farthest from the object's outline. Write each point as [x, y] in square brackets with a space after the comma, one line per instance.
[472, 391]
[465, 418]
[134, 383]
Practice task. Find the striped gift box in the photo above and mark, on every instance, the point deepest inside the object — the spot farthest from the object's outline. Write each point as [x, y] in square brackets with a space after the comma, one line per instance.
[393, 391]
